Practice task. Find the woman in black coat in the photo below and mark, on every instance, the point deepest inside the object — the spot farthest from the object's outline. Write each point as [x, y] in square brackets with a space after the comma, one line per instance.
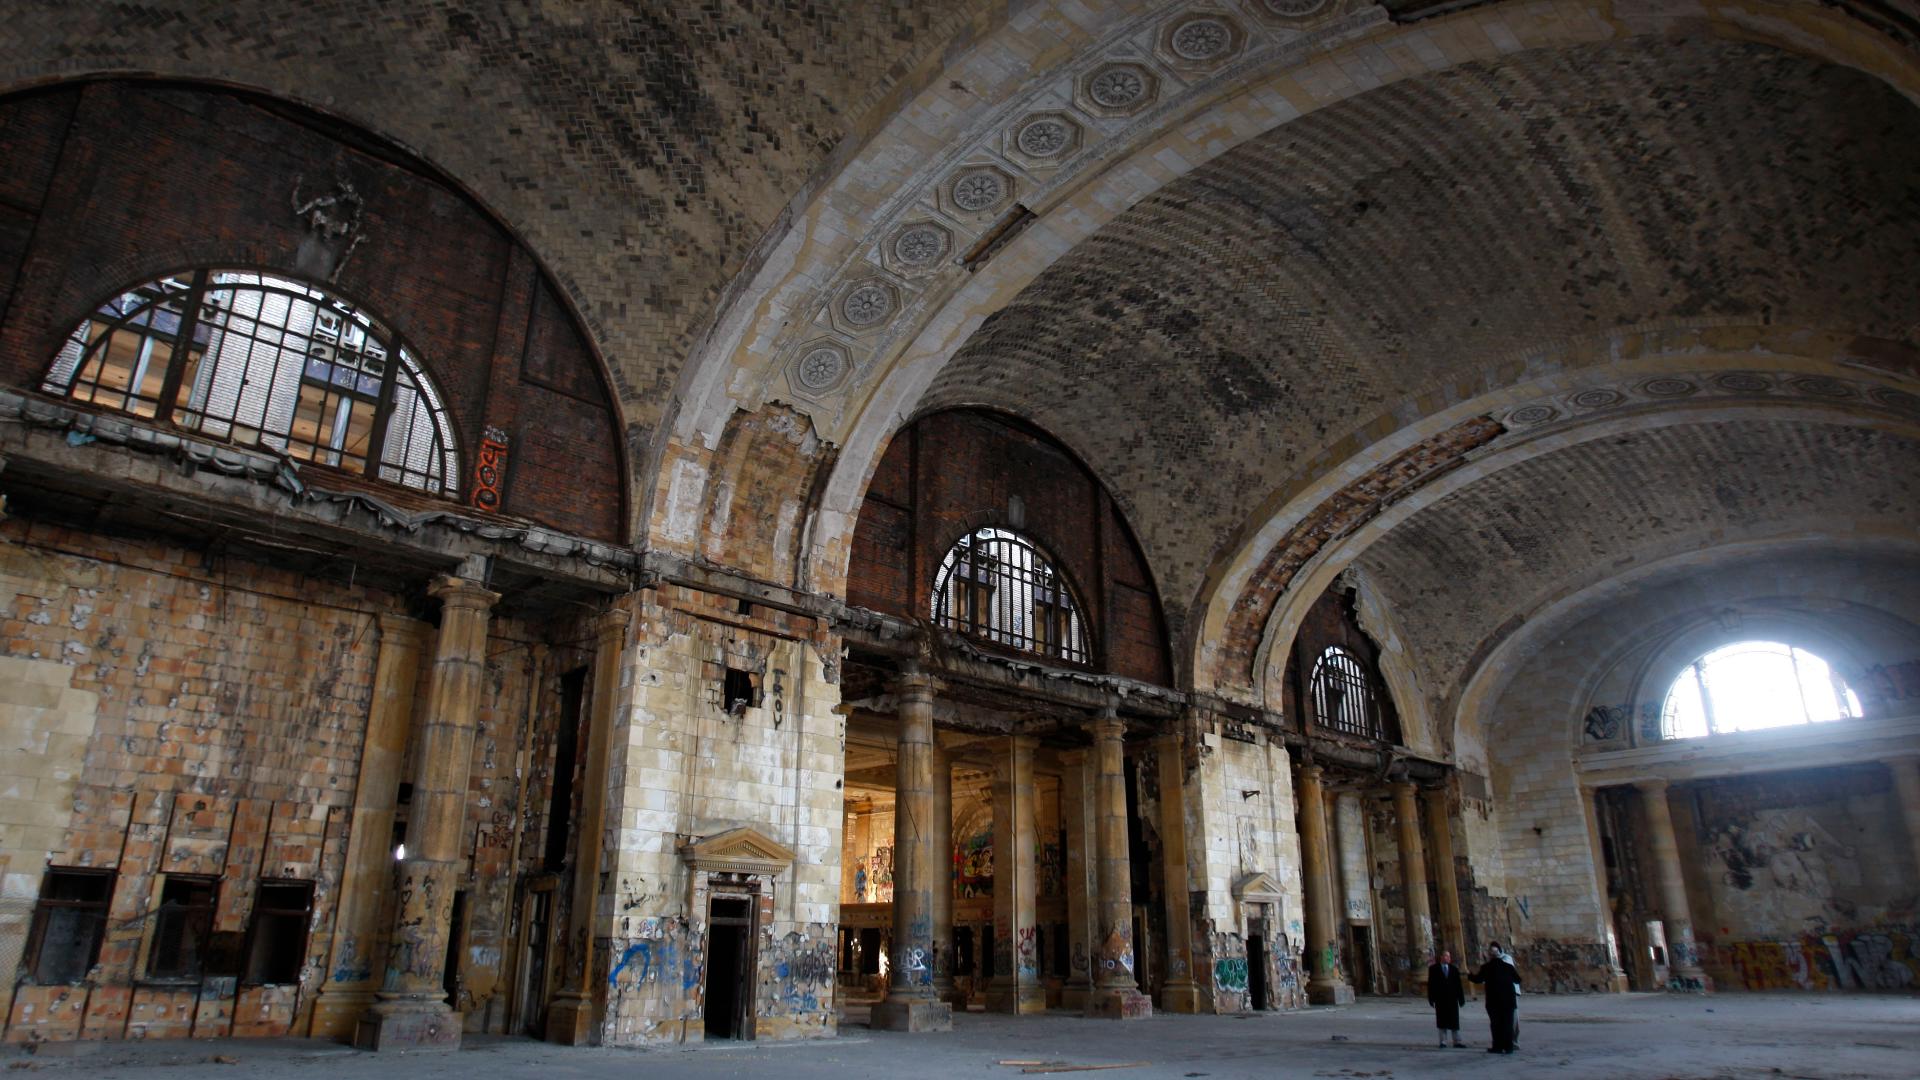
[1446, 994]
[1503, 997]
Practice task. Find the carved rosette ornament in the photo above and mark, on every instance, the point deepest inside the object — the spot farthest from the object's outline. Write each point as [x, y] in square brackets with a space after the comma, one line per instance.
[820, 368]
[980, 190]
[866, 305]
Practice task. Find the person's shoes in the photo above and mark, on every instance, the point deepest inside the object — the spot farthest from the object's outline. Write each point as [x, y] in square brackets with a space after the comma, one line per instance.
[1459, 1044]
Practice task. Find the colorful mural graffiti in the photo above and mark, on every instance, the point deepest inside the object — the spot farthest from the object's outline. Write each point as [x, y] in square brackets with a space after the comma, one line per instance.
[1861, 960]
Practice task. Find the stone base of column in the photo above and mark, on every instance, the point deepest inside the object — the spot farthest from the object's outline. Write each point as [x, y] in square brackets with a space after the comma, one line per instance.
[1181, 997]
[1009, 997]
[570, 1020]
[1329, 993]
[1617, 983]
[408, 1024]
[1124, 1004]
[911, 1014]
[336, 1013]
[1689, 982]
[1075, 997]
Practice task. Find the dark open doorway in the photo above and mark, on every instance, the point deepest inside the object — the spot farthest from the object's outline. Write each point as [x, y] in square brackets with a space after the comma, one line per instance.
[729, 967]
[456, 947]
[1361, 939]
[1257, 972]
[533, 964]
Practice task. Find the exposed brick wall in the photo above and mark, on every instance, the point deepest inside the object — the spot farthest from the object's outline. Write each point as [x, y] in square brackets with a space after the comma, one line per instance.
[112, 184]
[952, 472]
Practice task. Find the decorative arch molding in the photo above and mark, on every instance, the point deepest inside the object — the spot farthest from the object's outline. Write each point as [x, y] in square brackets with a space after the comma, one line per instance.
[1267, 90]
[1351, 494]
[1476, 710]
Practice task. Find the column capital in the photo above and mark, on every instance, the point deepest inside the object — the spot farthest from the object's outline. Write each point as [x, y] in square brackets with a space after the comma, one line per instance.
[915, 685]
[1656, 786]
[610, 626]
[1309, 771]
[398, 631]
[462, 593]
[1107, 725]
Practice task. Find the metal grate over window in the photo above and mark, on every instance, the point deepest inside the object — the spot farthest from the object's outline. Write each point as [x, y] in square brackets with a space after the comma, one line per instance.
[997, 585]
[1343, 695]
[267, 362]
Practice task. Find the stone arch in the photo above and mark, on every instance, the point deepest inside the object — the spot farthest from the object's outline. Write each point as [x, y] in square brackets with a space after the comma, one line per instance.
[911, 360]
[1700, 354]
[1515, 656]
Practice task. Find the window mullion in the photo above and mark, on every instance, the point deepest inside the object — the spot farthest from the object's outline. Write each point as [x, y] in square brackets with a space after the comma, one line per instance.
[182, 346]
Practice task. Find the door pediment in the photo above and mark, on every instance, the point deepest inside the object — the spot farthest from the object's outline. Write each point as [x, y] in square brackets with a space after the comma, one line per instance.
[738, 851]
[1257, 888]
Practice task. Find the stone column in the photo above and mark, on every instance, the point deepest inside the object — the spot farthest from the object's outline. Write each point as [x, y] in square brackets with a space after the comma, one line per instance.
[1076, 817]
[353, 956]
[574, 1013]
[411, 1012]
[1016, 958]
[1413, 884]
[1906, 784]
[1115, 994]
[1325, 984]
[910, 1004]
[1616, 975]
[1179, 994]
[1452, 929]
[944, 957]
[1683, 958]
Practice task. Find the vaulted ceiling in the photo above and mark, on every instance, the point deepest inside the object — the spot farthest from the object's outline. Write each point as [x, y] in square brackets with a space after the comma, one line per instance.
[1232, 338]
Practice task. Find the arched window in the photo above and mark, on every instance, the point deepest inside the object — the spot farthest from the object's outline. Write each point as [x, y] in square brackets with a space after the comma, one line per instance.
[1343, 698]
[267, 362]
[997, 585]
[1754, 685]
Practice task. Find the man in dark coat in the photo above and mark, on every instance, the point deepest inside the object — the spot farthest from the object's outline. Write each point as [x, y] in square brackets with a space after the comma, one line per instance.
[1446, 994]
[1503, 996]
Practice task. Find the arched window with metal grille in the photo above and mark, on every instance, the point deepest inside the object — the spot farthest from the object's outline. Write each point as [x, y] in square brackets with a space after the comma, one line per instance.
[998, 585]
[267, 362]
[1343, 697]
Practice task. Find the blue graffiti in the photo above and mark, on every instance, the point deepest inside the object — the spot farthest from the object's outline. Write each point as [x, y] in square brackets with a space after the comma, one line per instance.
[641, 949]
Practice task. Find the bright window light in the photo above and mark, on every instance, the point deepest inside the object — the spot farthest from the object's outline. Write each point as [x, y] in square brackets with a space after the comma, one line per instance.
[1752, 686]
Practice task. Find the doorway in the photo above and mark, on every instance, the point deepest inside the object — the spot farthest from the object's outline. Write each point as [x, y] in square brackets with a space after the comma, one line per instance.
[729, 967]
[456, 946]
[1362, 953]
[532, 1020]
[1257, 972]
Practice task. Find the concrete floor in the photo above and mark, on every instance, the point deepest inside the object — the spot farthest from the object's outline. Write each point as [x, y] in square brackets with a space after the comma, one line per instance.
[1617, 1036]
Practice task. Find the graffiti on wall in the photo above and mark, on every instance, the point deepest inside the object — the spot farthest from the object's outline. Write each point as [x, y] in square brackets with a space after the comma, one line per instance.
[796, 975]
[973, 867]
[873, 877]
[1871, 959]
[1050, 867]
[1564, 967]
